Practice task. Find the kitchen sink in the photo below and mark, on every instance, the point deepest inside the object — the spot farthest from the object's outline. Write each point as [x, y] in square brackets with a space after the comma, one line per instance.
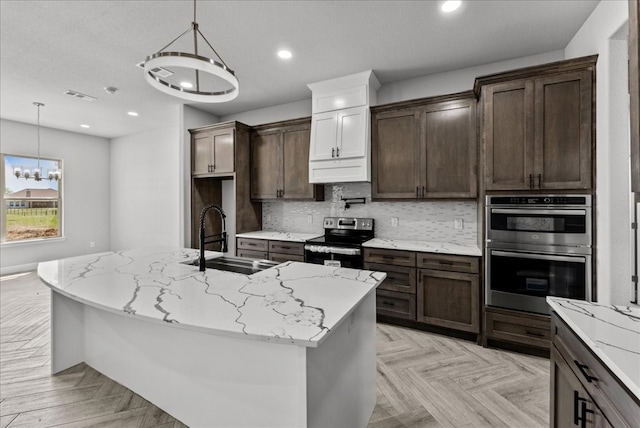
[237, 264]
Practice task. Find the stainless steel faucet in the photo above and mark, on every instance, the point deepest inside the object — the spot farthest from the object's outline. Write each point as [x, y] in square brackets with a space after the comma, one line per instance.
[219, 237]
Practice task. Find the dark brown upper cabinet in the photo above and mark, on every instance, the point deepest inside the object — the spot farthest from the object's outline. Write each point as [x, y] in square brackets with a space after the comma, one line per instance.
[537, 127]
[280, 162]
[425, 149]
[213, 151]
[634, 92]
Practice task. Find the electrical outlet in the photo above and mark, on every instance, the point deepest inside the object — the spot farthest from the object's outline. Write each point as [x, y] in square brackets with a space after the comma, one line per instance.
[92, 244]
[309, 218]
[458, 223]
[394, 221]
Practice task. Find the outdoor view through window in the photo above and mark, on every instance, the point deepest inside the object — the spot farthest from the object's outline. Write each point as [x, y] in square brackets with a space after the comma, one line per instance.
[32, 208]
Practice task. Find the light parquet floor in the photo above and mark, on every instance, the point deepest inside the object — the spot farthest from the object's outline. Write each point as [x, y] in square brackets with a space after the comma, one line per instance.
[423, 380]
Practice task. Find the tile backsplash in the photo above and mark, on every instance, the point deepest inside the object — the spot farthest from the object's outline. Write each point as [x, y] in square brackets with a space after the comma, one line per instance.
[422, 221]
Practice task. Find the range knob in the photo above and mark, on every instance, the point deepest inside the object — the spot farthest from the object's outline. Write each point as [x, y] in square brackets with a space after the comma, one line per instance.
[547, 200]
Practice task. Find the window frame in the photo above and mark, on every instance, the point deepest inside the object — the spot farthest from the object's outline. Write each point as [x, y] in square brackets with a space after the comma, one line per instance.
[3, 201]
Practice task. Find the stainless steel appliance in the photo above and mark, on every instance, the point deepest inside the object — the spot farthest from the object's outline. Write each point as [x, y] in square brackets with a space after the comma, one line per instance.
[342, 242]
[537, 246]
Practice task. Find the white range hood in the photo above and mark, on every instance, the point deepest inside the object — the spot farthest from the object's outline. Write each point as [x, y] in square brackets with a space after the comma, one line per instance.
[340, 148]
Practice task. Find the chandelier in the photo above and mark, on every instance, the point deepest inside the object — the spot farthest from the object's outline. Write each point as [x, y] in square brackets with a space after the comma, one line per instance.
[193, 63]
[36, 174]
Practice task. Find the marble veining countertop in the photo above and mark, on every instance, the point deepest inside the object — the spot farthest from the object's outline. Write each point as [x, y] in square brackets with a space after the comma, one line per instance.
[425, 246]
[611, 332]
[294, 303]
[274, 235]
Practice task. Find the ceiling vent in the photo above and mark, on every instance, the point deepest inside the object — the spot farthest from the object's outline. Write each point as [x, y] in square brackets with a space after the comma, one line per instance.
[158, 71]
[79, 96]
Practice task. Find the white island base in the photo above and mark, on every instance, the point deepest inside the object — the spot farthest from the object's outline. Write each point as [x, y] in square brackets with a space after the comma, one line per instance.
[206, 379]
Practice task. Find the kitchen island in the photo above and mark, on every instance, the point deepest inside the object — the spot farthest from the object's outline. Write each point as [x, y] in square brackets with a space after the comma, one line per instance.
[293, 345]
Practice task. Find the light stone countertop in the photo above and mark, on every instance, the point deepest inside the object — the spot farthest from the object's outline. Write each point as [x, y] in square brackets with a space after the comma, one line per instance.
[425, 246]
[294, 303]
[611, 332]
[278, 236]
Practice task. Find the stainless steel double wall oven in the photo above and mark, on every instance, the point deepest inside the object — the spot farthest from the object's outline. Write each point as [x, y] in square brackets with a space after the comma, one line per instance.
[538, 246]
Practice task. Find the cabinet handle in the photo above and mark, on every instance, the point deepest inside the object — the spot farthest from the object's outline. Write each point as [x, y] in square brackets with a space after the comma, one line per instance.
[333, 152]
[539, 181]
[417, 194]
[213, 168]
[337, 152]
[530, 181]
[384, 302]
[534, 334]
[580, 413]
[423, 191]
[583, 369]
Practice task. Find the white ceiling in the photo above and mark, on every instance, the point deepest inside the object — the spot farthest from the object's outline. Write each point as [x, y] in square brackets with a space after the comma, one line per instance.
[48, 47]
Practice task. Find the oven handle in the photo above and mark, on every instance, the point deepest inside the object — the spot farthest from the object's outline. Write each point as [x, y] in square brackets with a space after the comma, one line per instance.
[525, 211]
[332, 250]
[577, 259]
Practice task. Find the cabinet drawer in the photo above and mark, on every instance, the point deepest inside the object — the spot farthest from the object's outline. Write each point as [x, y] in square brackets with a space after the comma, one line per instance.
[616, 403]
[259, 255]
[520, 327]
[390, 257]
[276, 257]
[253, 244]
[398, 305]
[399, 278]
[284, 247]
[464, 264]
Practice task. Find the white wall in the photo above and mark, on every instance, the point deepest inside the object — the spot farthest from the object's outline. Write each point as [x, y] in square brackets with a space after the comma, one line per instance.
[275, 113]
[145, 188]
[612, 147]
[86, 204]
[190, 118]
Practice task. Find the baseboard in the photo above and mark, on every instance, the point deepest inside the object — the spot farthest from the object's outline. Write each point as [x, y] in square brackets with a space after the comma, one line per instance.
[10, 270]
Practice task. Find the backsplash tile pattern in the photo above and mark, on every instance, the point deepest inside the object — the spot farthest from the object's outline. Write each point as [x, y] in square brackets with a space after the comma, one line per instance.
[421, 221]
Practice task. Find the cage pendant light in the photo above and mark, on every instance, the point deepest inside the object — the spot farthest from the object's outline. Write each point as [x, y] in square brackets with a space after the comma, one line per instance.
[25, 173]
[195, 63]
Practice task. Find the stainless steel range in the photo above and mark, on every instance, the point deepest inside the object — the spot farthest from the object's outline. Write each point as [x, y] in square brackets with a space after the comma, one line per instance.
[342, 242]
[538, 246]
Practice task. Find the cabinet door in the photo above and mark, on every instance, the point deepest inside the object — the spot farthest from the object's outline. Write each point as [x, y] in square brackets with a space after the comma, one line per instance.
[201, 157]
[450, 147]
[563, 142]
[295, 152]
[352, 132]
[508, 135]
[571, 405]
[395, 154]
[449, 299]
[266, 165]
[324, 135]
[223, 151]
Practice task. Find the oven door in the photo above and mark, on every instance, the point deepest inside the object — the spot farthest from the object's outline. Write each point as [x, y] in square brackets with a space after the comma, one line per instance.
[333, 256]
[522, 279]
[541, 226]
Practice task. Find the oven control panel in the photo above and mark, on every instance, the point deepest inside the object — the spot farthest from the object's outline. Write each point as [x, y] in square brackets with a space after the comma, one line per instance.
[352, 223]
[533, 200]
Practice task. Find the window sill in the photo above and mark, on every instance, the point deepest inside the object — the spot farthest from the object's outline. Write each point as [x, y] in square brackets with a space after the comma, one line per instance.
[31, 242]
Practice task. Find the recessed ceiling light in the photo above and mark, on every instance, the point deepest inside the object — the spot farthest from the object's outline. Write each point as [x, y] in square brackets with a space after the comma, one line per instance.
[85, 126]
[132, 113]
[451, 5]
[284, 54]
[187, 85]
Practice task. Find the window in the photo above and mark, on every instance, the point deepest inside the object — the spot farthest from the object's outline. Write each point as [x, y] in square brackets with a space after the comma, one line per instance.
[31, 209]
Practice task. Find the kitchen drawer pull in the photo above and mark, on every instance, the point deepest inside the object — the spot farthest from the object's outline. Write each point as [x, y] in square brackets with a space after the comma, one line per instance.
[530, 181]
[417, 191]
[583, 369]
[446, 262]
[539, 181]
[534, 334]
[333, 152]
[387, 303]
[337, 152]
[422, 192]
[580, 413]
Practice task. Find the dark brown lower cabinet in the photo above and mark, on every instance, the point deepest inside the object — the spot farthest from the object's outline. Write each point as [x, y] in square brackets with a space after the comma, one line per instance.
[516, 327]
[264, 249]
[426, 289]
[449, 299]
[584, 391]
[571, 405]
